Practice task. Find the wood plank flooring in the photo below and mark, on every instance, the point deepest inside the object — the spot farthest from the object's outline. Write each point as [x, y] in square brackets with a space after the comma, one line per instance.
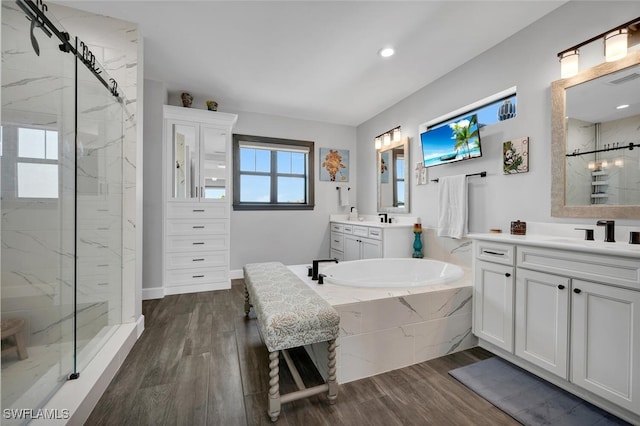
[201, 362]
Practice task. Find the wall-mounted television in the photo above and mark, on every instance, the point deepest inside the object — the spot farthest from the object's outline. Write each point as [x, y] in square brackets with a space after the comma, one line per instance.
[450, 142]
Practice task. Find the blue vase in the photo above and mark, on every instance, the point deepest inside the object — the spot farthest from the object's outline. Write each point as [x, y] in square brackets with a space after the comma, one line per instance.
[417, 245]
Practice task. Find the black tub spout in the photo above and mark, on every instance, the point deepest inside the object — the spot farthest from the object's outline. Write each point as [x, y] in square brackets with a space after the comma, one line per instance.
[314, 270]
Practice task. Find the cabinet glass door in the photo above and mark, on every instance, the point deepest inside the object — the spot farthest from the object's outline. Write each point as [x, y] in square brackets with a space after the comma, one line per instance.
[185, 160]
[213, 164]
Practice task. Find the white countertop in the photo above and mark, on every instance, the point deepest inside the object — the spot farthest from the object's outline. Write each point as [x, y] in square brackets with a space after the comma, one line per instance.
[374, 224]
[338, 295]
[619, 248]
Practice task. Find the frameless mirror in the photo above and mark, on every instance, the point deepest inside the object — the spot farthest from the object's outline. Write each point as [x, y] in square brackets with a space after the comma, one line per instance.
[596, 142]
[185, 151]
[393, 171]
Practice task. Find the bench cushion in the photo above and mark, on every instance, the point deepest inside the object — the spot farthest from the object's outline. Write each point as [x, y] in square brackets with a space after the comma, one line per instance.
[290, 314]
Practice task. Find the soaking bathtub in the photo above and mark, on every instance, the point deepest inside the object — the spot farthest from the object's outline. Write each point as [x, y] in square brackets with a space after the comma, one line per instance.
[391, 325]
[392, 273]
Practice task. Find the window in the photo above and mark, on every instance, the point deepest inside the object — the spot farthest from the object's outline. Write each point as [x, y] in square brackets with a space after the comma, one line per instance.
[37, 163]
[490, 110]
[272, 174]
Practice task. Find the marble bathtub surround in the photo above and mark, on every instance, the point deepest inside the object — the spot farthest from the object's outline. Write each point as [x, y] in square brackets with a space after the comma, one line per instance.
[387, 329]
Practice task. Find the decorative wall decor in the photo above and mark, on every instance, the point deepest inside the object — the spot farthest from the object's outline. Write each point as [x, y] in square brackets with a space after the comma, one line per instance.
[334, 165]
[421, 173]
[515, 156]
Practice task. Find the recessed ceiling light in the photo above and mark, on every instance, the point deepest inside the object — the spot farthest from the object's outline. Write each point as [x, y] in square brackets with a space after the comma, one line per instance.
[385, 52]
[622, 106]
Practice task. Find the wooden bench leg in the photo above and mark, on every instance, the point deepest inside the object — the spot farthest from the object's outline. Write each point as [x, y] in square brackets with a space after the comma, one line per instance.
[247, 304]
[274, 385]
[331, 373]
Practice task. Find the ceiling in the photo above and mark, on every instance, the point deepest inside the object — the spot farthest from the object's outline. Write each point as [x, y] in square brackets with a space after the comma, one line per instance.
[314, 60]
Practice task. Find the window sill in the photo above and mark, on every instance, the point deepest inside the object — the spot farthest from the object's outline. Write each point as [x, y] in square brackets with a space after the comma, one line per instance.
[259, 206]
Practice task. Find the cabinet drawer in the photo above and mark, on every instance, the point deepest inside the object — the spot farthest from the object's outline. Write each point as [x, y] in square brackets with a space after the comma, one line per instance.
[337, 241]
[195, 276]
[347, 229]
[197, 227]
[197, 210]
[495, 252]
[197, 259]
[375, 233]
[337, 227]
[620, 271]
[361, 231]
[197, 243]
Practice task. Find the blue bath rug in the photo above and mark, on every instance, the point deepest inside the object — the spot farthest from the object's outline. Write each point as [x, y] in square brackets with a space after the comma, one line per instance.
[527, 398]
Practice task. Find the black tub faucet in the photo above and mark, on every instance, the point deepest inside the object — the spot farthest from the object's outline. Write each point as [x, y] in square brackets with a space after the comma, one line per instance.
[314, 267]
[609, 230]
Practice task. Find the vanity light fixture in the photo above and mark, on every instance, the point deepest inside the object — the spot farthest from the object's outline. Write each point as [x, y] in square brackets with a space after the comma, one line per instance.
[615, 47]
[569, 63]
[396, 135]
[385, 139]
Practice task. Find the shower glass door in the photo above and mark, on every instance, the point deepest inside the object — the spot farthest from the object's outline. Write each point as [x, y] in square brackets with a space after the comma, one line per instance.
[37, 210]
[98, 215]
[61, 213]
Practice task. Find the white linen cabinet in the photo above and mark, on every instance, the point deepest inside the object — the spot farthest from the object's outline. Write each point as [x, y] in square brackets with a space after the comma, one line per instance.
[197, 199]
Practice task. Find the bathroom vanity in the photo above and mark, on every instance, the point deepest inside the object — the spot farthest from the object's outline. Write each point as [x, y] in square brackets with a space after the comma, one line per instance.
[567, 310]
[351, 240]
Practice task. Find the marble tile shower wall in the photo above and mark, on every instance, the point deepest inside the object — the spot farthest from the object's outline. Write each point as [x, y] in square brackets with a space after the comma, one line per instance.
[32, 230]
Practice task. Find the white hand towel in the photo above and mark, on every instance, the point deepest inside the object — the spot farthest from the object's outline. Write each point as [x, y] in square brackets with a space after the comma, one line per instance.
[452, 213]
[344, 196]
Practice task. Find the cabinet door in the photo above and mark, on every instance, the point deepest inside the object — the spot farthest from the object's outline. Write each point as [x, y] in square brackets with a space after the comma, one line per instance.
[214, 176]
[542, 320]
[351, 247]
[370, 249]
[184, 160]
[605, 346]
[493, 304]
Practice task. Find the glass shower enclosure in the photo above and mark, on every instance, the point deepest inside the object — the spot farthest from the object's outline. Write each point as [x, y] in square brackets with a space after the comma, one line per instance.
[61, 207]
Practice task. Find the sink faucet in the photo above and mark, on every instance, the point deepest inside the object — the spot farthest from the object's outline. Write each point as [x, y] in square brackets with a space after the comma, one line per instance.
[383, 217]
[314, 267]
[609, 230]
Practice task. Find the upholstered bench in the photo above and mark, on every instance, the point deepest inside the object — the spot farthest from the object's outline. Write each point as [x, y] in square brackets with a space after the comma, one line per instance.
[290, 314]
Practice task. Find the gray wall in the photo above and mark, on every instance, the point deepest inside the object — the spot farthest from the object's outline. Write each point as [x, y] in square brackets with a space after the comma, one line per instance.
[527, 60]
[291, 237]
[155, 96]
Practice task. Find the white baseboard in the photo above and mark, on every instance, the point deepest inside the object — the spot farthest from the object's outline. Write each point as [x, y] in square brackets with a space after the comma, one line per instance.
[152, 293]
[236, 274]
[225, 285]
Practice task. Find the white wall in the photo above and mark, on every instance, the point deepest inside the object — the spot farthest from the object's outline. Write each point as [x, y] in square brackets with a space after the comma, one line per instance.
[527, 60]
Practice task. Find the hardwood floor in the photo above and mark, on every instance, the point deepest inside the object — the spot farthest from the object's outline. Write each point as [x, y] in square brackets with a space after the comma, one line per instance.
[201, 362]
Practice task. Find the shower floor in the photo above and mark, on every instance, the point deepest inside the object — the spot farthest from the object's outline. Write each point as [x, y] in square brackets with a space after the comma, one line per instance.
[29, 383]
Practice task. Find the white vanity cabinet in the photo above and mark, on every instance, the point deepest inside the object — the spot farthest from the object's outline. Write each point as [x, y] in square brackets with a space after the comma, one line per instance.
[197, 195]
[575, 314]
[493, 294]
[542, 320]
[357, 241]
[605, 342]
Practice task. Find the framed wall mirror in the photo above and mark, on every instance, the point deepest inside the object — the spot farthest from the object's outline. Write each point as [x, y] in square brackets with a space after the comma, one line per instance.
[393, 177]
[595, 156]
